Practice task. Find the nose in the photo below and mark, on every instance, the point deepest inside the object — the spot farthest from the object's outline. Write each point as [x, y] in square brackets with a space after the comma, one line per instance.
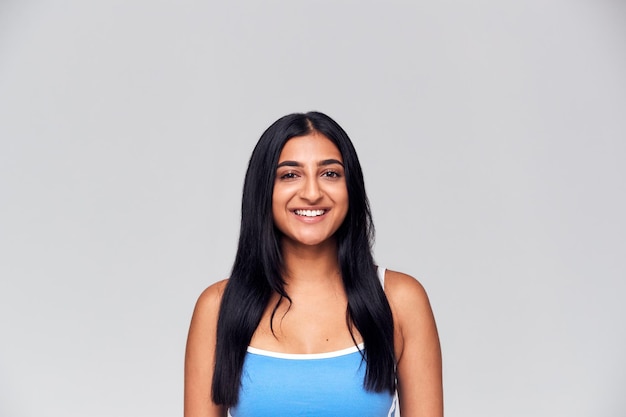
[311, 190]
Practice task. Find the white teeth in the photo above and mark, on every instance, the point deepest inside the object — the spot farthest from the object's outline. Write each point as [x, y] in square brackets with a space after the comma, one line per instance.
[309, 213]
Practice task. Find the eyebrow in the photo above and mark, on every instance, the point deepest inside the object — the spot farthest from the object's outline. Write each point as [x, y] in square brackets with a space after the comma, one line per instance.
[319, 164]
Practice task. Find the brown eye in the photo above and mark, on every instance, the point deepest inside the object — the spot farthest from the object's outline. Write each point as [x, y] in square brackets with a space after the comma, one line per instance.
[288, 176]
[331, 174]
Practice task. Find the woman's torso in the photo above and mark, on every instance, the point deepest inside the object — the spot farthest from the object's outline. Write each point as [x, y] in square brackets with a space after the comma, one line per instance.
[315, 385]
[275, 383]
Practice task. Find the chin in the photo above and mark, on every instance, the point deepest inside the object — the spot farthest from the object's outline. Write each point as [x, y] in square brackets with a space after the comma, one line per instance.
[310, 241]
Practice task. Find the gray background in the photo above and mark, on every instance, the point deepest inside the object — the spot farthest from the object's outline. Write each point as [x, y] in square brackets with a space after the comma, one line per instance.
[492, 135]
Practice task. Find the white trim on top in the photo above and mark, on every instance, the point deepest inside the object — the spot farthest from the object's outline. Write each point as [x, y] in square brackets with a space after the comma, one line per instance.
[306, 356]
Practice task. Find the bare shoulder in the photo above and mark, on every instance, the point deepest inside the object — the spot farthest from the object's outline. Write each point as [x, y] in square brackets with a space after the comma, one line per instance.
[418, 351]
[199, 354]
[413, 316]
[210, 299]
[404, 291]
[205, 313]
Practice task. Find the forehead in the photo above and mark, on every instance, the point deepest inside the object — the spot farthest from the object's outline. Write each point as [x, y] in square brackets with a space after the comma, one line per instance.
[314, 146]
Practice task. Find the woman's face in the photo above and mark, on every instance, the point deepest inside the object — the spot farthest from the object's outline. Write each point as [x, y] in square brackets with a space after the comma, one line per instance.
[310, 198]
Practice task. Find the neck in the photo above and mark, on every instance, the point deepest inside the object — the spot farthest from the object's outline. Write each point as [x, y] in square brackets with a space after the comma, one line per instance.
[306, 265]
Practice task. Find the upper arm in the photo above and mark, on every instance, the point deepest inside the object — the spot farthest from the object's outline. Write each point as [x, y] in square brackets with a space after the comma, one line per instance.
[418, 354]
[199, 355]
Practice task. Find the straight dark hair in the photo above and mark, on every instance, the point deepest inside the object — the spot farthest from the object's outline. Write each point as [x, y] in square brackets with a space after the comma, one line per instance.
[258, 267]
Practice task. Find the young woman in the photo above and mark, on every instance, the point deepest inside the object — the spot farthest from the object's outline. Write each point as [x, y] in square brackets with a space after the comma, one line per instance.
[307, 324]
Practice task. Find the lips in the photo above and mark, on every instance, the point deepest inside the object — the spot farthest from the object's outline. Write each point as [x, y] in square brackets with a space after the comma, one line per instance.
[310, 213]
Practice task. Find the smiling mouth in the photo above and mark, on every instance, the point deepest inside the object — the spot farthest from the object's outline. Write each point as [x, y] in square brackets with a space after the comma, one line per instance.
[309, 213]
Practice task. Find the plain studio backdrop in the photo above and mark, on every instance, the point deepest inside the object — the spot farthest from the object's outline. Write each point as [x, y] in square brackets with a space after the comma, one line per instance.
[493, 140]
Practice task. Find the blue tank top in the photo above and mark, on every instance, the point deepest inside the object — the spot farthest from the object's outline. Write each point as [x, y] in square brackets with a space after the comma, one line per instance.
[316, 385]
[309, 385]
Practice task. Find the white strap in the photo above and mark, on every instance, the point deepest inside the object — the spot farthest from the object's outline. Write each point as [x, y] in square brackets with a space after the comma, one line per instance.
[381, 275]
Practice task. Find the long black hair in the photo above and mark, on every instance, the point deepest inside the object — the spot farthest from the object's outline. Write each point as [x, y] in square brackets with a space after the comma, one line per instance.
[257, 271]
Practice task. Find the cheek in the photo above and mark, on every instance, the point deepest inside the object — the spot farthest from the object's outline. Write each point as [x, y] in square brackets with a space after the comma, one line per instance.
[343, 201]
